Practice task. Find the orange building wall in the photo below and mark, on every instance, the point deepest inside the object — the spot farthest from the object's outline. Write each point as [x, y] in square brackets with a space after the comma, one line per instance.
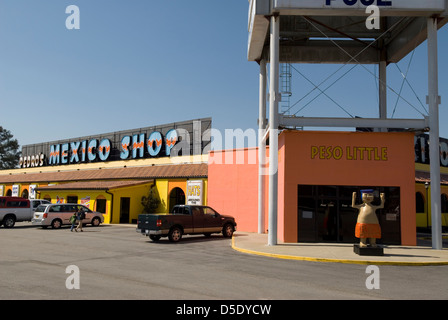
[233, 186]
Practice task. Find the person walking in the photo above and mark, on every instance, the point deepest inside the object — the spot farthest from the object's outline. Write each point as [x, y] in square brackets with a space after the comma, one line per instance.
[80, 215]
[73, 220]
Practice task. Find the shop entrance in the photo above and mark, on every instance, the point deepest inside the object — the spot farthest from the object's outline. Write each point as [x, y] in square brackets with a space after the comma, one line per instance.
[325, 213]
[125, 204]
[177, 196]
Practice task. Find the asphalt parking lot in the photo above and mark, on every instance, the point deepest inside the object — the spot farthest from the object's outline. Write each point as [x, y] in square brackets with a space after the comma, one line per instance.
[116, 263]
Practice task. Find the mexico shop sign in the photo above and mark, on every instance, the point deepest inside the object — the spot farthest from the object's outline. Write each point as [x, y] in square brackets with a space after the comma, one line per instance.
[130, 147]
[167, 140]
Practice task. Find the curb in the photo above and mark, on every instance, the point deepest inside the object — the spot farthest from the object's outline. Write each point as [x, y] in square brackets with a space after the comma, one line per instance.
[345, 261]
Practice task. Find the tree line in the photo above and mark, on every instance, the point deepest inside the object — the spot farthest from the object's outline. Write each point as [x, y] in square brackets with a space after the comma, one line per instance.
[9, 150]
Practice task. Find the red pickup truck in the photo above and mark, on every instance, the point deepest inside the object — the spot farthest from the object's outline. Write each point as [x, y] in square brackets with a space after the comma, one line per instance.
[185, 219]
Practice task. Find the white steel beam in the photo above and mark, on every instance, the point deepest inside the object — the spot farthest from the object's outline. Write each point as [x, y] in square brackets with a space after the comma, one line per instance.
[434, 151]
[261, 145]
[274, 96]
[292, 121]
[382, 85]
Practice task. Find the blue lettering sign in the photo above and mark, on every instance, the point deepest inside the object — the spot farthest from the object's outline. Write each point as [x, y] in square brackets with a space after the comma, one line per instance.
[154, 143]
[64, 153]
[54, 154]
[170, 140]
[138, 144]
[91, 155]
[94, 149]
[379, 3]
[74, 146]
[125, 142]
[83, 150]
[104, 149]
[382, 3]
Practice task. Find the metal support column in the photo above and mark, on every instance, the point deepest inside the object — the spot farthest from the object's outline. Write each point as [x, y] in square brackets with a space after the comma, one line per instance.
[261, 146]
[434, 152]
[273, 128]
[383, 91]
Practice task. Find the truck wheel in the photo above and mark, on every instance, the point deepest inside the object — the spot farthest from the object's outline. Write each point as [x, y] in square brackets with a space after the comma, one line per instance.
[9, 221]
[227, 230]
[175, 234]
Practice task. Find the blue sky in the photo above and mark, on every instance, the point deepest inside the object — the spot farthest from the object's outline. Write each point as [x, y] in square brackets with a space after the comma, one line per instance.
[137, 63]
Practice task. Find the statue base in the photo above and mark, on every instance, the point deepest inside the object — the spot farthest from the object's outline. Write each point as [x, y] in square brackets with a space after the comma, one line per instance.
[368, 251]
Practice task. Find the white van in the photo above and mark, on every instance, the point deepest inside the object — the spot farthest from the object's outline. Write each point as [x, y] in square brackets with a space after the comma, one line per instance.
[58, 214]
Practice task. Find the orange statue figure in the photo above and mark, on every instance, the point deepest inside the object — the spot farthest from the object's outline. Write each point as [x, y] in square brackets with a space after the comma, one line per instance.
[367, 225]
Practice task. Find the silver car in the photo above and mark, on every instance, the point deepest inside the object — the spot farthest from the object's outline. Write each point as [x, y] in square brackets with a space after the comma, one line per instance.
[58, 214]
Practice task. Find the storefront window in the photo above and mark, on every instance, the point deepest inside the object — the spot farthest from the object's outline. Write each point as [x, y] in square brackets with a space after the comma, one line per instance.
[444, 203]
[325, 213]
[72, 199]
[25, 194]
[419, 202]
[177, 196]
[101, 205]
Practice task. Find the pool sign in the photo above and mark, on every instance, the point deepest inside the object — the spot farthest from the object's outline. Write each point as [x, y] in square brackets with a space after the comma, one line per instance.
[379, 3]
[398, 6]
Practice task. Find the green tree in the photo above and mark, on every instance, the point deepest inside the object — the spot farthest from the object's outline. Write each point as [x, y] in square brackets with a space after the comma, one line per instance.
[151, 202]
[9, 150]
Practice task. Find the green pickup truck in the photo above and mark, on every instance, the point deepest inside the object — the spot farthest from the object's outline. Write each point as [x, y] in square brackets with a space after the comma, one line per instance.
[185, 219]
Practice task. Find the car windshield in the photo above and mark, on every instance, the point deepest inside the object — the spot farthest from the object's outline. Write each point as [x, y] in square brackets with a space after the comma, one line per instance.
[41, 208]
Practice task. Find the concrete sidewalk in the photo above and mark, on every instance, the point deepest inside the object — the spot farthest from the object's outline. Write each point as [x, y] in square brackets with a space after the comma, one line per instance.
[257, 244]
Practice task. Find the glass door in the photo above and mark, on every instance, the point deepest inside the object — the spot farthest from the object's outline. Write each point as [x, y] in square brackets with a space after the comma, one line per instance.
[307, 214]
[125, 204]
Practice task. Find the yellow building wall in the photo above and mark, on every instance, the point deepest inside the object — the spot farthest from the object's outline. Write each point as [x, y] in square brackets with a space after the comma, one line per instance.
[162, 190]
[205, 199]
[113, 197]
[85, 197]
[135, 193]
[423, 218]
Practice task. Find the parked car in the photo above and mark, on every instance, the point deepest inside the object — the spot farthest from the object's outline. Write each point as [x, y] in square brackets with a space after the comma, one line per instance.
[58, 214]
[14, 209]
[37, 202]
[185, 219]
